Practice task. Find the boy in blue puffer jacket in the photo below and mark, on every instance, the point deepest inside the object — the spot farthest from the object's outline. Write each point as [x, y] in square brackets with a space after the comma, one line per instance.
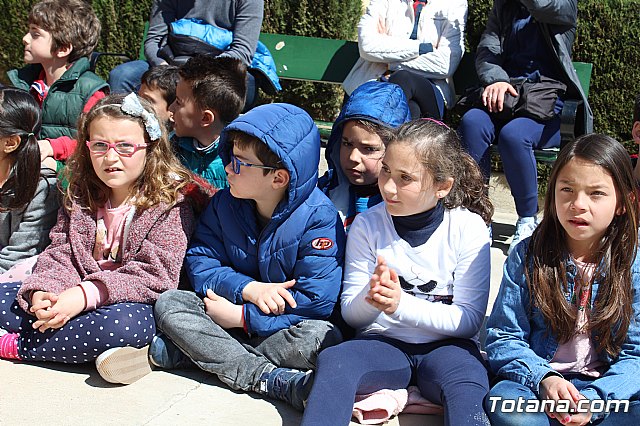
[357, 144]
[265, 262]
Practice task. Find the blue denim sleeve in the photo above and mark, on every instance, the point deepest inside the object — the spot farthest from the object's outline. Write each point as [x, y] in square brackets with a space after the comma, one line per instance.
[622, 379]
[509, 329]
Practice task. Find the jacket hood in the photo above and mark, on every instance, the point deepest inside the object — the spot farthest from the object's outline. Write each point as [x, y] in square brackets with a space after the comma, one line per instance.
[379, 102]
[292, 135]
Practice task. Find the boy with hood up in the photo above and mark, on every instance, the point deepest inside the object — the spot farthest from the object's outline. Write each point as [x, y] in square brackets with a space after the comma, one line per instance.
[357, 144]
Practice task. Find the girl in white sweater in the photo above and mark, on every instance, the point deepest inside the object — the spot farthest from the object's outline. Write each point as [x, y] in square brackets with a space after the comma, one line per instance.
[416, 284]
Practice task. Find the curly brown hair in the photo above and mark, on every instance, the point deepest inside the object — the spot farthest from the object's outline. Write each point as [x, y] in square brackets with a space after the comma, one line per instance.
[71, 23]
[438, 149]
[161, 180]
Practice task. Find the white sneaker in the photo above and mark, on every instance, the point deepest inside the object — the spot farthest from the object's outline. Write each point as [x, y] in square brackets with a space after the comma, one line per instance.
[524, 228]
[124, 365]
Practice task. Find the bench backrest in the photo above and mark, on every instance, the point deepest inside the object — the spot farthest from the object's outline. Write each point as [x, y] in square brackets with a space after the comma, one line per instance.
[329, 61]
[311, 58]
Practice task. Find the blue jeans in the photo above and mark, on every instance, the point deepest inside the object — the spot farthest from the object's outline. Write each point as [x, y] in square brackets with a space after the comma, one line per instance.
[507, 389]
[237, 359]
[81, 339]
[449, 372]
[125, 78]
[516, 141]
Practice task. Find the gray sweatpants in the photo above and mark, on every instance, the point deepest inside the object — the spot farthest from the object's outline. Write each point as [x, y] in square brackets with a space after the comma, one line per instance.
[232, 355]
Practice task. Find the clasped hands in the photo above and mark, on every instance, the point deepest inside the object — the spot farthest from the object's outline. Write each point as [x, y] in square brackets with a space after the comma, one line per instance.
[55, 310]
[557, 388]
[384, 288]
[270, 298]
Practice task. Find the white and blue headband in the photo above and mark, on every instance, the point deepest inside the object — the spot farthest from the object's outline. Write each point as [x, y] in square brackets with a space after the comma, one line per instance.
[131, 105]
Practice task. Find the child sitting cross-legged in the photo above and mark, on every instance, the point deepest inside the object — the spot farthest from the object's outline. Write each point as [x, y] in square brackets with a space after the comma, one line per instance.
[416, 284]
[564, 334]
[118, 244]
[265, 263]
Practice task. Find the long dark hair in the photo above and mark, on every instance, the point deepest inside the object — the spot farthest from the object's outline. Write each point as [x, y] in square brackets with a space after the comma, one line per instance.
[438, 149]
[548, 251]
[20, 116]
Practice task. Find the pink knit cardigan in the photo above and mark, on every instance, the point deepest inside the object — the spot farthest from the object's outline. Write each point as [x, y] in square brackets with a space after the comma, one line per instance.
[155, 247]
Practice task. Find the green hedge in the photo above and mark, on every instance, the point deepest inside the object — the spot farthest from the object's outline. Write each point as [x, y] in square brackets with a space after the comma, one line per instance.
[608, 34]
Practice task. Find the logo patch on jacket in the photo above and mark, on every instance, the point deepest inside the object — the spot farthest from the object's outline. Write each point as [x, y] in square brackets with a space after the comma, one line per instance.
[322, 243]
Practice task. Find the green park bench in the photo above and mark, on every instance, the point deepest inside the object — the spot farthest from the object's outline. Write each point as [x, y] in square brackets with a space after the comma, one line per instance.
[329, 61]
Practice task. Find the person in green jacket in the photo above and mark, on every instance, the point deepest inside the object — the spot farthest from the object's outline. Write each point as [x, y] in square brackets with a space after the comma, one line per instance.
[210, 94]
[62, 34]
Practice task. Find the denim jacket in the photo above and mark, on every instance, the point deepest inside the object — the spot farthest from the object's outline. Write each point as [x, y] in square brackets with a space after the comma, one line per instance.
[519, 345]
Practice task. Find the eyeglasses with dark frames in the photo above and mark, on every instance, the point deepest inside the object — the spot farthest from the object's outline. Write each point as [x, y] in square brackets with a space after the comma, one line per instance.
[236, 163]
[125, 149]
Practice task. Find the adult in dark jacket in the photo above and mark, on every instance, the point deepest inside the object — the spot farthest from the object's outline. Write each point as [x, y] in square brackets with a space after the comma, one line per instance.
[523, 38]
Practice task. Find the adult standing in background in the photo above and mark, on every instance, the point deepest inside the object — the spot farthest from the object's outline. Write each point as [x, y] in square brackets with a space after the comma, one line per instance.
[523, 38]
[242, 17]
[414, 44]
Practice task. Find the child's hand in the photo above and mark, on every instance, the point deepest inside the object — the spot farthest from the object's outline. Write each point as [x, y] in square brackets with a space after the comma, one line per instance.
[271, 298]
[557, 388]
[66, 305]
[46, 150]
[42, 300]
[223, 312]
[579, 419]
[385, 291]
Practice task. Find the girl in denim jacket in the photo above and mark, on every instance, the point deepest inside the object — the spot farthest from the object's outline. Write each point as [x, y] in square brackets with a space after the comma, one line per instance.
[564, 334]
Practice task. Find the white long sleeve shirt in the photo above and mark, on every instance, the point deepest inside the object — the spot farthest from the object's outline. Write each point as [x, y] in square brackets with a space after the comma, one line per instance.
[445, 280]
[441, 24]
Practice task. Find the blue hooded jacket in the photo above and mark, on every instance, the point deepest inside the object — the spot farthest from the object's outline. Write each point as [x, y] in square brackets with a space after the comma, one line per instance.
[304, 239]
[379, 102]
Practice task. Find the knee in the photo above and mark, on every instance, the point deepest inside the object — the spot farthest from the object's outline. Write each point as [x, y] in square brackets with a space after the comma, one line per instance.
[502, 402]
[174, 300]
[325, 332]
[400, 77]
[476, 129]
[514, 136]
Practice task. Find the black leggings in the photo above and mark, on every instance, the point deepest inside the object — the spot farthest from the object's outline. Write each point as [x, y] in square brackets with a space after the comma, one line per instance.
[423, 97]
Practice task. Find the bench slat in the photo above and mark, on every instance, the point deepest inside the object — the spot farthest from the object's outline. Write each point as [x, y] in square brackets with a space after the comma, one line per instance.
[311, 58]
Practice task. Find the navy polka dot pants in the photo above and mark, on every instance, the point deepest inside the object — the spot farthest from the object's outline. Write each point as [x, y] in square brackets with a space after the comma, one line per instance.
[81, 339]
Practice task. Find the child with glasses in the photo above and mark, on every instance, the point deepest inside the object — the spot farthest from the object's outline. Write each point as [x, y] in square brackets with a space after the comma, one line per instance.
[119, 242]
[265, 264]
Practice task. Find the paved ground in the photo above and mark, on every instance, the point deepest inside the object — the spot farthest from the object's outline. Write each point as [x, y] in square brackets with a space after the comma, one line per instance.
[69, 395]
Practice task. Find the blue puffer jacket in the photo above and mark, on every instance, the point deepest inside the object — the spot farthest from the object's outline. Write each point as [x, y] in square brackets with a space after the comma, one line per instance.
[304, 239]
[221, 39]
[378, 102]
